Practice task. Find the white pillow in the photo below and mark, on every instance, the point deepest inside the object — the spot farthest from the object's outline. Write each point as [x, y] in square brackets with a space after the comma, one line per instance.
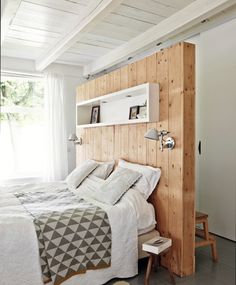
[104, 169]
[116, 185]
[75, 178]
[145, 212]
[150, 177]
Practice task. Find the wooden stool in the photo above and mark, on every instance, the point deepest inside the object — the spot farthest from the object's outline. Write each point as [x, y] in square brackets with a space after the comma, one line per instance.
[207, 239]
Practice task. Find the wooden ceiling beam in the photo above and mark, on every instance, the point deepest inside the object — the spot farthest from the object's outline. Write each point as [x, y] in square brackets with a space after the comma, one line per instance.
[8, 11]
[93, 14]
[181, 21]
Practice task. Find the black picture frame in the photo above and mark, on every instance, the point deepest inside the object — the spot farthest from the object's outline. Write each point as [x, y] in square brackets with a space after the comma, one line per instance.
[133, 112]
[95, 115]
[142, 113]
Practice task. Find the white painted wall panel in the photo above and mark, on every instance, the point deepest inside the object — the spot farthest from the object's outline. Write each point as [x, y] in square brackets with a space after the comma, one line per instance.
[216, 128]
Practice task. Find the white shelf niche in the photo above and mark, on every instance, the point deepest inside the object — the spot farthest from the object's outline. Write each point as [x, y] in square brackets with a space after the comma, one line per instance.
[115, 107]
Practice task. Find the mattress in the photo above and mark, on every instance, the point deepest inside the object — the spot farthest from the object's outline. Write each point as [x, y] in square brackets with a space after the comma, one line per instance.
[143, 238]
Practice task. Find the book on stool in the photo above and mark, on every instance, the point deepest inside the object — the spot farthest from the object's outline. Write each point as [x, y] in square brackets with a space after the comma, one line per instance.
[157, 245]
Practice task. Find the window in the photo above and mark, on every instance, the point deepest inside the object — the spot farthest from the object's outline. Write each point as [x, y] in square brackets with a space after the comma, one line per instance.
[21, 128]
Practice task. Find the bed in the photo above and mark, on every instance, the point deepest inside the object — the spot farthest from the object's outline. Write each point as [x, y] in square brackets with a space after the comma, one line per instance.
[19, 248]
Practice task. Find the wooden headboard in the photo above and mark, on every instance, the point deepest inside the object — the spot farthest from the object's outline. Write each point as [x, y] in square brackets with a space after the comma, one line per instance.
[174, 69]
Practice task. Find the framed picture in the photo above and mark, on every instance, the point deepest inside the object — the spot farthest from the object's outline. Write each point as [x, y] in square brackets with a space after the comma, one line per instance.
[133, 112]
[142, 112]
[95, 115]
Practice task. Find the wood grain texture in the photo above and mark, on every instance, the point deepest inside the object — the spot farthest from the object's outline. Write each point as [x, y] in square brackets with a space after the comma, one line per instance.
[132, 74]
[92, 92]
[86, 91]
[141, 71]
[189, 156]
[116, 80]
[173, 68]
[175, 157]
[124, 80]
[132, 143]
[162, 196]
[107, 143]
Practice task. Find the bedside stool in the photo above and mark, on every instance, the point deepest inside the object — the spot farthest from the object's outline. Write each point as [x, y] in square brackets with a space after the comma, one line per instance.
[156, 247]
[207, 239]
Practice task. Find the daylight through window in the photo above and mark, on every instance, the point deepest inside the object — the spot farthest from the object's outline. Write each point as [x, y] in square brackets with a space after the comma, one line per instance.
[21, 128]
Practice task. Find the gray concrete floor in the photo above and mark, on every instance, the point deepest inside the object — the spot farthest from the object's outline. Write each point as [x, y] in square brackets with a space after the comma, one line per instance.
[207, 272]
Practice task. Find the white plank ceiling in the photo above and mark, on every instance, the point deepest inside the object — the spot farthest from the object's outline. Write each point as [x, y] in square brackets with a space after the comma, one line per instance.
[39, 24]
[37, 27]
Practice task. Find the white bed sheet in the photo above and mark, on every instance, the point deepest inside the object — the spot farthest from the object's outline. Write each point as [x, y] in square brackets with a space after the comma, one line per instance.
[19, 256]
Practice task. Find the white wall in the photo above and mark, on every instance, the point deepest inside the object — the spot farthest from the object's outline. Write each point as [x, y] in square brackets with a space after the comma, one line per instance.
[73, 77]
[216, 127]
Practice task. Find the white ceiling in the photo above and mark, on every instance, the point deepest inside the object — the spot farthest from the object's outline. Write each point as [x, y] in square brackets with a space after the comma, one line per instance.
[37, 26]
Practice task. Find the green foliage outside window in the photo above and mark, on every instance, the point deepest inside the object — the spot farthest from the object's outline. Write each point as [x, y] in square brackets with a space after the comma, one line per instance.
[25, 94]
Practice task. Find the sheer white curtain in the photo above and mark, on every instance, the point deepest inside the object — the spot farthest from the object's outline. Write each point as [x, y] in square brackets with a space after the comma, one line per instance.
[56, 166]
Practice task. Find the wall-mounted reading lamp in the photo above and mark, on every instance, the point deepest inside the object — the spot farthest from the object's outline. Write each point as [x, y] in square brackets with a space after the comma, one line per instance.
[73, 138]
[156, 135]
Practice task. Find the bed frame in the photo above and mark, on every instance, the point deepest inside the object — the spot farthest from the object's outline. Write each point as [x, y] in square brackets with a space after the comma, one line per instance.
[174, 69]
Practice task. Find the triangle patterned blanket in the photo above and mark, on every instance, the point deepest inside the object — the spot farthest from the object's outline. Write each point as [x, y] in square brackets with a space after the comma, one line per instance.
[73, 235]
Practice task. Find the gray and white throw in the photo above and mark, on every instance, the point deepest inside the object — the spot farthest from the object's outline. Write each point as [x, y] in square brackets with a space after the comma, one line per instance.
[73, 235]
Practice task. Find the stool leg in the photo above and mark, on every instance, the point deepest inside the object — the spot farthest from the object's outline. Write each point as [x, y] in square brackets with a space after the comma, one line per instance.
[206, 230]
[149, 268]
[156, 262]
[214, 251]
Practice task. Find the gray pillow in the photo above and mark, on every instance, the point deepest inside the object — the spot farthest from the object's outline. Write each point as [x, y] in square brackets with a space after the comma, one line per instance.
[104, 169]
[116, 185]
[75, 178]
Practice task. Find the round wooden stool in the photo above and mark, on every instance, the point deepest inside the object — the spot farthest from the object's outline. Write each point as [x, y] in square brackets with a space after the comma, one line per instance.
[207, 239]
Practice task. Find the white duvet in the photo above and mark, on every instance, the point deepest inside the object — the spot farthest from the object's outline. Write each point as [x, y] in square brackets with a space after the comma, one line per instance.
[19, 257]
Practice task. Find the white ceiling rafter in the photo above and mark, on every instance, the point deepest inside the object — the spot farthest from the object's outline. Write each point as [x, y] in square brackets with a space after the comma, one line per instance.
[93, 14]
[171, 27]
[8, 11]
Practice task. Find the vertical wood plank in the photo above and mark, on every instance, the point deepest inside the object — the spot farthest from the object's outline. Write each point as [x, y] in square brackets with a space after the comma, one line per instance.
[124, 81]
[133, 150]
[141, 71]
[97, 147]
[89, 144]
[109, 82]
[86, 90]
[124, 151]
[175, 156]
[132, 74]
[162, 196]
[107, 143]
[116, 80]
[97, 87]
[124, 129]
[141, 143]
[92, 92]
[117, 142]
[151, 147]
[162, 79]
[103, 86]
[189, 158]
[151, 69]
